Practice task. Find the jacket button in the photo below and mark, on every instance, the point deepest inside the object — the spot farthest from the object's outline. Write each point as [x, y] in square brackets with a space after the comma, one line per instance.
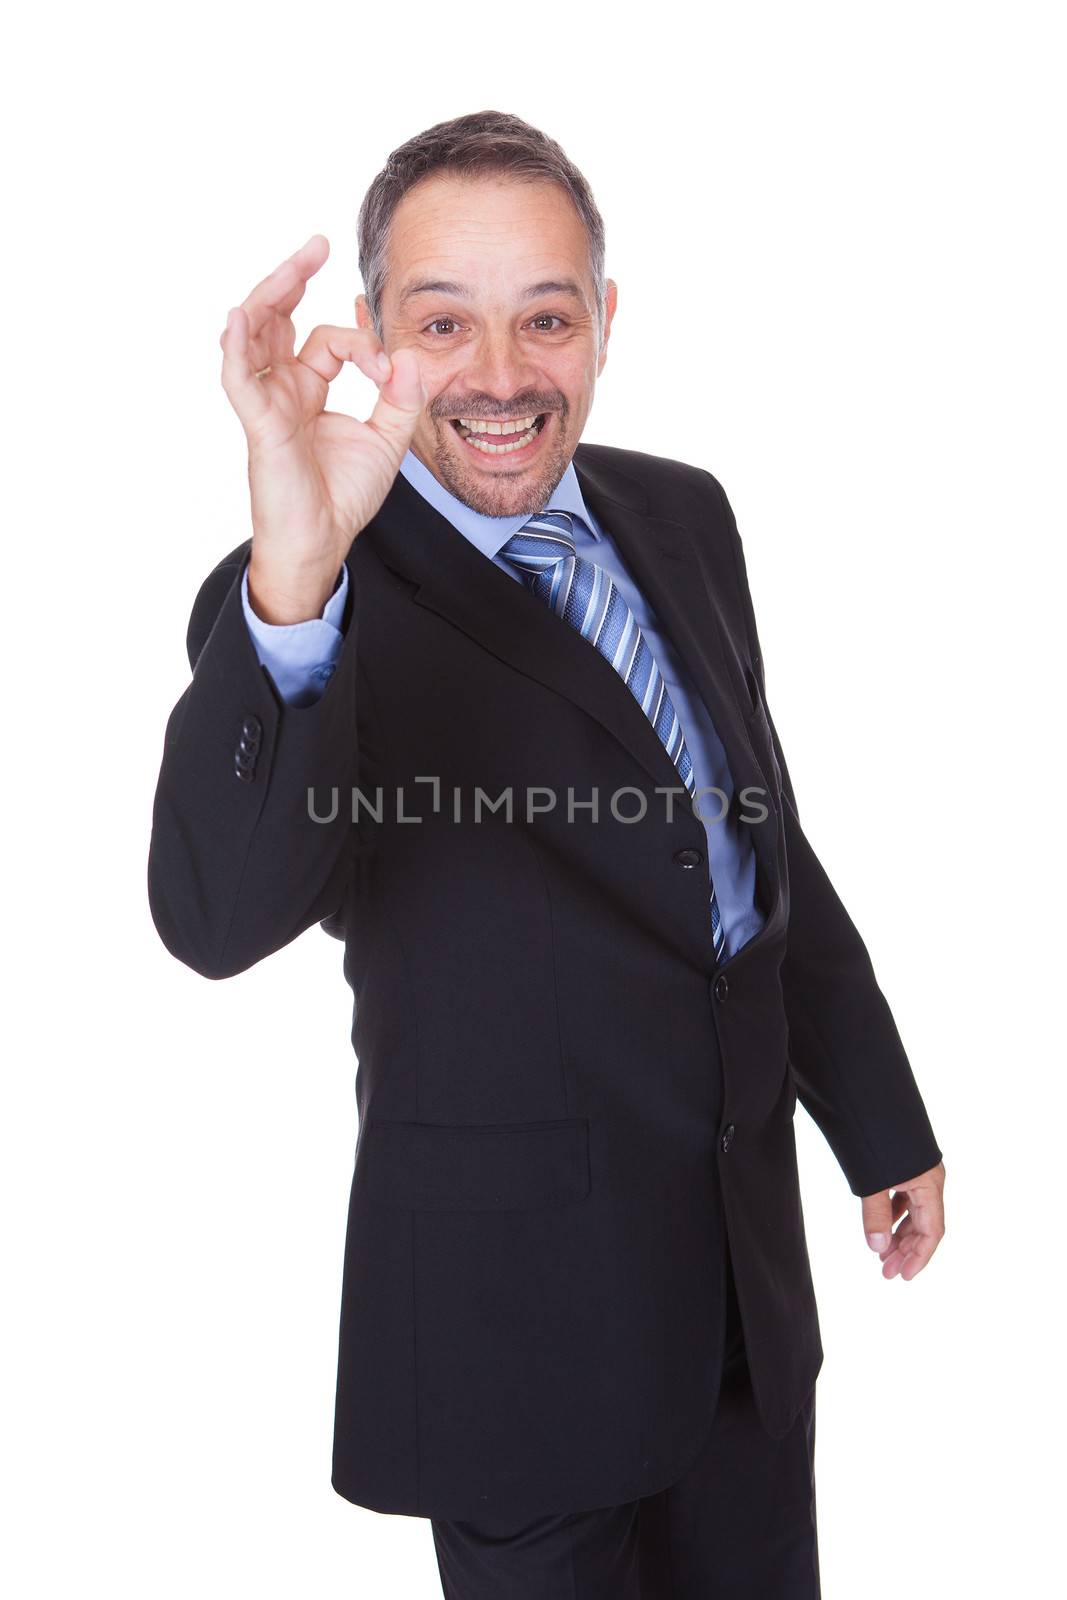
[722, 988]
[728, 1137]
[251, 727]
[244, 765]
[688, 858]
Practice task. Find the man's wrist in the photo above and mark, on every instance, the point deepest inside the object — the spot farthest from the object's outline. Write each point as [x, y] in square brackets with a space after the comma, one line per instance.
[295, 598]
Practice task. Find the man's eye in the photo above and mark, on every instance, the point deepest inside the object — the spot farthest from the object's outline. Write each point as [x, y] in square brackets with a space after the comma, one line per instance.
[542, 317]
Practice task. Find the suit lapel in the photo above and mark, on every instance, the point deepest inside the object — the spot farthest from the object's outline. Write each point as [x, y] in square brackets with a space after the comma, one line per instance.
[457, 582]
[663, 557]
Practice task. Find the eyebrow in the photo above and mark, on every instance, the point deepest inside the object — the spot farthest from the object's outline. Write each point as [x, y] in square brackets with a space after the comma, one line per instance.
[565, 286]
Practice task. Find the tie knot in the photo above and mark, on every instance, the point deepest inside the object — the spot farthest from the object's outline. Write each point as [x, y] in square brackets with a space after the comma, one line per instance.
[541, 543]
[550, 521]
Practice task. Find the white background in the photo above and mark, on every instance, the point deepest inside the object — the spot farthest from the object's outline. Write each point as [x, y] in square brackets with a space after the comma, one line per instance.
[835, 230]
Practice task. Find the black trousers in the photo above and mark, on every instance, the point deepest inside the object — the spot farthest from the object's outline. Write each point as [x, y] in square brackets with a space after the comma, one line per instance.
[739, 1525]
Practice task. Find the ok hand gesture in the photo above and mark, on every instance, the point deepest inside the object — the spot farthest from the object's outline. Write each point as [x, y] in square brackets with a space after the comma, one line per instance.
[316, 477]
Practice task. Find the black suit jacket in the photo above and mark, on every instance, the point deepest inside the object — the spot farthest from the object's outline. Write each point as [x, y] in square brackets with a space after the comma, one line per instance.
[565, 1109]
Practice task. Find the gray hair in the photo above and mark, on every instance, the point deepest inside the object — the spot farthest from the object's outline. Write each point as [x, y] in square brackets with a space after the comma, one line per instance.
[471, 146]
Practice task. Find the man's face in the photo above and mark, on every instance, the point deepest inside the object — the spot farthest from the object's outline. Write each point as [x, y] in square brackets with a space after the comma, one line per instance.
[488, 348]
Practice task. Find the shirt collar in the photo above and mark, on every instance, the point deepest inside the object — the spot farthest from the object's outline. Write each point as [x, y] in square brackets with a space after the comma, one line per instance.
[489, 534]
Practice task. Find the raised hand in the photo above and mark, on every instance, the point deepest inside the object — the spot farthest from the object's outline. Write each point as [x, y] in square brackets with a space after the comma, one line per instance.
[316, 477]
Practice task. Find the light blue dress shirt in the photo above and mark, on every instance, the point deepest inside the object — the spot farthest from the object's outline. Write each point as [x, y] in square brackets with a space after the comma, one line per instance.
[300, 657]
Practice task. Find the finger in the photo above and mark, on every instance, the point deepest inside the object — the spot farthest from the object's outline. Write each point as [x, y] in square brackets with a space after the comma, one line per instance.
[912, 1250]
[244, 390]
[326, 349]
[878, 1219]
[281, 291]
[926, 1216]
[402, 399]
[900, 1208]
[923, 1248]
[898, 1239]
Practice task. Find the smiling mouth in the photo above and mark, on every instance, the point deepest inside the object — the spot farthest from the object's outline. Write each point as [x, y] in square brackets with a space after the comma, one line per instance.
[499, 438]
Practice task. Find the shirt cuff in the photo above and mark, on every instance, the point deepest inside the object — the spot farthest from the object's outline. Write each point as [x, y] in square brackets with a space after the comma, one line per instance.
[300, 656]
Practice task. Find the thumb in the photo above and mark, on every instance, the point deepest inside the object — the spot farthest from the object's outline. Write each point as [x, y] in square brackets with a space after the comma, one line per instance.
[878, 1219]
[402, 398]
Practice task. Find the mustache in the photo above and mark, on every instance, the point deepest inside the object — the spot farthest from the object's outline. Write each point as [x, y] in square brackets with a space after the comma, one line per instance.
[526, 406]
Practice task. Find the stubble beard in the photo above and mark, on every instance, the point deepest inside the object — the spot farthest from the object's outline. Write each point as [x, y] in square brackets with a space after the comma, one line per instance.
[503, 494]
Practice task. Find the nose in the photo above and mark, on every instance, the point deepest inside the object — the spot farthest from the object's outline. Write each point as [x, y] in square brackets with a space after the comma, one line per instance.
[499, 366]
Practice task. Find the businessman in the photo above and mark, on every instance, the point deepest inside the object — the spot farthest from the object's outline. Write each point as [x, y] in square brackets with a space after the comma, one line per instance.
[488, 703]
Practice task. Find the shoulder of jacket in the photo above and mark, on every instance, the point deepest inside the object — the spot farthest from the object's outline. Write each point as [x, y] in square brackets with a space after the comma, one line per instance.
[664, 478]
[644, 465]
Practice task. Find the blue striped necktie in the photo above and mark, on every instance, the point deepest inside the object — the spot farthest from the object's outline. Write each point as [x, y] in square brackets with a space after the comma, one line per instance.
[586, 597]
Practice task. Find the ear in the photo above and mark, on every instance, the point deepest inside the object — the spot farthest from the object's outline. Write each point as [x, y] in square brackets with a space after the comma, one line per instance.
[363, 316]
[611, 297]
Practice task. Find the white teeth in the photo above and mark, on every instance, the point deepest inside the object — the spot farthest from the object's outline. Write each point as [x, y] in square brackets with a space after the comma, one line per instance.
[500, 449]
[513, 425]
[472, 426]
